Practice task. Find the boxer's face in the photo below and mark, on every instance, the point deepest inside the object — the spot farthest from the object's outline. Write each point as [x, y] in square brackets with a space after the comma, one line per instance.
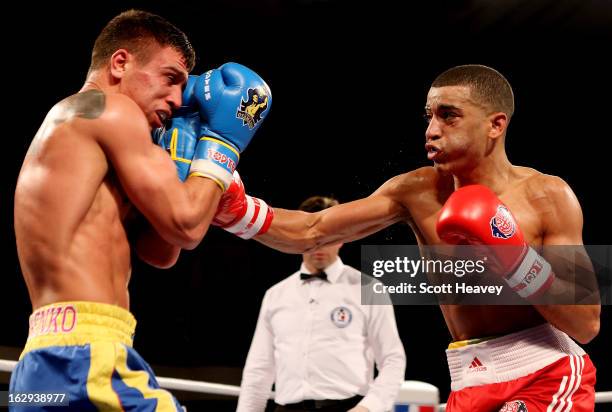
[322, 257]
[156, 85]
[456, 135]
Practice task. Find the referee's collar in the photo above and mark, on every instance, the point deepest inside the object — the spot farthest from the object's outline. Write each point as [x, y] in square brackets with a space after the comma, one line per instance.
[333, 271]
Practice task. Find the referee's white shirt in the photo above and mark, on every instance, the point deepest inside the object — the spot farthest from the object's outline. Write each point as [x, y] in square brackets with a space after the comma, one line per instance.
[316, 340]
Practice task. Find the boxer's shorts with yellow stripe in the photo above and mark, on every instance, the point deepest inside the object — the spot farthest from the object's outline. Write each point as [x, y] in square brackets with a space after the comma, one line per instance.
[84, 349]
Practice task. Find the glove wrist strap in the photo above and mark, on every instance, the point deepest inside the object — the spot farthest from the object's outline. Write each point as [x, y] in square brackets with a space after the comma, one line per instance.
[215, 160]
[533, 277]
[255, 221]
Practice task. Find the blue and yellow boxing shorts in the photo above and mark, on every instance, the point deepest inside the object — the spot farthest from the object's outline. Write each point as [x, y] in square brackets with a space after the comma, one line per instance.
[84, 350]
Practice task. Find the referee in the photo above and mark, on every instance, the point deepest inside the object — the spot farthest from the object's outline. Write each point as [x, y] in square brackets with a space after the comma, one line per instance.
[318, 343]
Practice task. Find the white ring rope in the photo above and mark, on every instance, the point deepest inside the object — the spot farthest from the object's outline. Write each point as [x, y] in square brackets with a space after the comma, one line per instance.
[231, 390]
[198, 386]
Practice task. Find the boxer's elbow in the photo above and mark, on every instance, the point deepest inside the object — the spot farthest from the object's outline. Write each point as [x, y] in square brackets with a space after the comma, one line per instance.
[289, 241]
[588, 332]
[155, 251]
[164, 264]
[188, 229]
[292, 232]
[586, 325]
[191, 238]
[161, 261]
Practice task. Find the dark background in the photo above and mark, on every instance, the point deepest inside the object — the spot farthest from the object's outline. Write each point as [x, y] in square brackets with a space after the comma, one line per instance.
[349, 82]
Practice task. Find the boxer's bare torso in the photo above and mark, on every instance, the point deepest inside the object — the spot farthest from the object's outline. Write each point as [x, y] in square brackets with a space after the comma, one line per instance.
[417, 198]
[92, 153]
[526, 198]
[70, 209]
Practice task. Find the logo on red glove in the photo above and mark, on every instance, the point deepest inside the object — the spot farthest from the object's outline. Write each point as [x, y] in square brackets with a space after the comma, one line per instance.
[250, 110]
[502, 224]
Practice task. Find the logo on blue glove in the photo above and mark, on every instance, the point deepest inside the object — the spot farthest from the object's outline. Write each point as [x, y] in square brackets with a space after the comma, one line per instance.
[502, 224]
[250, 110]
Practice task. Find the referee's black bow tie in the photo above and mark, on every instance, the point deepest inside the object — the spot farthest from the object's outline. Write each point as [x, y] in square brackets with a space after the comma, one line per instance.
[320, 275]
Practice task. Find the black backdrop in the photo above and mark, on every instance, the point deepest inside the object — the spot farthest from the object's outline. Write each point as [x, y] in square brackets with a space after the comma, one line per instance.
[349, 83]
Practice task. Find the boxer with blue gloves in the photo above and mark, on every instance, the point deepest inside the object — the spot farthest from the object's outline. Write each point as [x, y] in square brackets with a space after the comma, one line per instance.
[80, 220]
[221, 111]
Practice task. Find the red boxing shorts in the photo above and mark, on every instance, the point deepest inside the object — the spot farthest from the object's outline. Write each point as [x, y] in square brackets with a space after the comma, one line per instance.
[538, 369]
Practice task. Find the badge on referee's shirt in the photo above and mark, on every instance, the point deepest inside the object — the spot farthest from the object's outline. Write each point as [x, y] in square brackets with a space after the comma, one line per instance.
[341, 316]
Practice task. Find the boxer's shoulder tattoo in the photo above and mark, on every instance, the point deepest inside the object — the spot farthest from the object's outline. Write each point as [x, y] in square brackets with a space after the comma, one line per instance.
[86, 105]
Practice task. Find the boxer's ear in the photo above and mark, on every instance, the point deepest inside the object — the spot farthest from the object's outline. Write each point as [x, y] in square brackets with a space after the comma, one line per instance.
[498, 122]
[119, 63]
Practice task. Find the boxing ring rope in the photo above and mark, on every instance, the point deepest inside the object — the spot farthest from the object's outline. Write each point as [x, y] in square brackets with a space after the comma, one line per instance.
[413, 392]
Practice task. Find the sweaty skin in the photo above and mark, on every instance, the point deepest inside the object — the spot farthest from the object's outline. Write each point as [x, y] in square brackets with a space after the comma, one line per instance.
[90, 162]
[468, 142]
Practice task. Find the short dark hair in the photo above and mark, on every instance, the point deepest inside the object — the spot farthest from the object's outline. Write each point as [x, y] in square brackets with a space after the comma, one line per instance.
[317, 203]
[487, 86]
[134, 30]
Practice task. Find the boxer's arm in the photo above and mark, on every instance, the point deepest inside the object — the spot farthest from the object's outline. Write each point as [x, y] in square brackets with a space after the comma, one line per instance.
[179, 212]
[563, 223]
[151, 248]
[294, 231]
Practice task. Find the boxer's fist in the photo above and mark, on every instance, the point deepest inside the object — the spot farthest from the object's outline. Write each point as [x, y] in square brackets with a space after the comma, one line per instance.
[241, 214]
[179, 140]
[232, 102]
[474, 215]
[180, 135]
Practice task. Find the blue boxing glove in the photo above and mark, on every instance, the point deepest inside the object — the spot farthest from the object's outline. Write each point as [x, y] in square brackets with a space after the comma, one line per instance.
[232, 102]
[180, 136]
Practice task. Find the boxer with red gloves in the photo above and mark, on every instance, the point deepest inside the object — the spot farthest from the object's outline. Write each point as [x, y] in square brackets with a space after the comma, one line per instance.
[472, 194]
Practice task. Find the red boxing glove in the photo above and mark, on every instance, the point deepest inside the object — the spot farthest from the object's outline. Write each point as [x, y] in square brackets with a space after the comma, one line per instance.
[474, 215]
[241, 214]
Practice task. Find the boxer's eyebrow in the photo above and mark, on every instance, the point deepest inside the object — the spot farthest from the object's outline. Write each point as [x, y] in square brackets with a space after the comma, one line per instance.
[449, 107]
[180, 74]
[443, 106]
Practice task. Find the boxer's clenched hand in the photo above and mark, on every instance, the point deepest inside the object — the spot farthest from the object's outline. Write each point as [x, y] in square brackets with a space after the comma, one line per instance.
[232, 101]
[241, 214]
[180, 136]
[474, 215]
[220, 113]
